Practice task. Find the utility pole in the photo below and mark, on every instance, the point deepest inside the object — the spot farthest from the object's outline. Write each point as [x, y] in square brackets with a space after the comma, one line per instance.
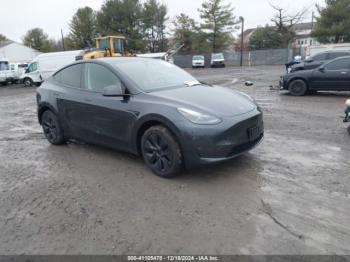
[64, 49]
[242, 38]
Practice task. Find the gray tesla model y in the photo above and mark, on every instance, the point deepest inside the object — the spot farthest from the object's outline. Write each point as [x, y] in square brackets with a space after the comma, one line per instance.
[149, 108]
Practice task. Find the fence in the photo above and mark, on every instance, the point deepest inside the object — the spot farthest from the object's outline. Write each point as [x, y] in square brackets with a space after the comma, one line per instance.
[250, 58]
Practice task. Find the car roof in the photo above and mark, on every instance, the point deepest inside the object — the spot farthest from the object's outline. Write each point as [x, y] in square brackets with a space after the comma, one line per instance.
[334, 51]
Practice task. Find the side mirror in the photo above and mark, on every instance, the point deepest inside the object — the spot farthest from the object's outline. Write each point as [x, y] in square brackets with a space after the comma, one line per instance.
[113, 90]
[321, 69]
[27, 71]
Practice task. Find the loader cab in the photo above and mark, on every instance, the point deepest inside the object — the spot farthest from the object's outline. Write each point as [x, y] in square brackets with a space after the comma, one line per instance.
[114, 44]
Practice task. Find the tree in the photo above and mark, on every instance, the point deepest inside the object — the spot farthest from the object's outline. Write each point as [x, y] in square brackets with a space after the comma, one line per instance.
[217, 18]
[154, 19]
[265, 38]
[3, 38]
[83, 28]
[184, 32]
[284, 23]
[122, 17]
[333, 24]
[37, 39]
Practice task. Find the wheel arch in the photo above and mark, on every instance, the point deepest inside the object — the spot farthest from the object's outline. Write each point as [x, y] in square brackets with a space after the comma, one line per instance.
[153, 120]
[44, 107]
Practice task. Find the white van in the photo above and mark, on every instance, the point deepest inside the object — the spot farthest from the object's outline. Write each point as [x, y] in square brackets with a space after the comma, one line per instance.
[5, 72]
[44, 65]
[18, 70]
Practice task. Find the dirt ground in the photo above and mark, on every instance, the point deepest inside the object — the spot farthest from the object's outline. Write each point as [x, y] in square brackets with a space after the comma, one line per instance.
[290, 195]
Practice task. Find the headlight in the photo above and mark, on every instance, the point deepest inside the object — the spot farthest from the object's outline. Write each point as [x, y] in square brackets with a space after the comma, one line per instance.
[198, 118]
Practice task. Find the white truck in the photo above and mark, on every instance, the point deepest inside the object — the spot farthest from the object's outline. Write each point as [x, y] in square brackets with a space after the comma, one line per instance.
[6, 75]
[44, 65]
[17, 70]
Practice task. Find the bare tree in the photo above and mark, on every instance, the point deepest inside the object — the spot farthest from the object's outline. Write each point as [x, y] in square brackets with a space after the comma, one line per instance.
[284, 22]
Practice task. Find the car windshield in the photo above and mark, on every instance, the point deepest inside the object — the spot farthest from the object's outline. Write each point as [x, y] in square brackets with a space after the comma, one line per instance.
[218, 56]
[151, 75]
[201, 58]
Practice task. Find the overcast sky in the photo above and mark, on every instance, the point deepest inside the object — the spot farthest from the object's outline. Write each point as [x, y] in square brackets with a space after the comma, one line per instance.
[17, 16]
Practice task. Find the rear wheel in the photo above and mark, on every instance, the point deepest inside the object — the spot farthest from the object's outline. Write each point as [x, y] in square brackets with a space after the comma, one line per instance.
[298, 87]
[161, 152]
[52, 129]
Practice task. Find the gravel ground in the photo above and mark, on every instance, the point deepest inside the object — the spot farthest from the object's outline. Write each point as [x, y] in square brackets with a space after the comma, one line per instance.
[290, 195]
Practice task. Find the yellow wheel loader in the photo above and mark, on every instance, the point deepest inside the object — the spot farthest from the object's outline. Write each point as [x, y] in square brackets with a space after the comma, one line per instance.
[108, 46]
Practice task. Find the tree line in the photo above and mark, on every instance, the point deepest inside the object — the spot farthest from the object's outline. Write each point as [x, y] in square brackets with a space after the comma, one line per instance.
[148, 28]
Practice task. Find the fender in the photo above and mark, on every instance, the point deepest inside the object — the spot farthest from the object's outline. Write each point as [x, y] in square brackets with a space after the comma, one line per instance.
[147, 121]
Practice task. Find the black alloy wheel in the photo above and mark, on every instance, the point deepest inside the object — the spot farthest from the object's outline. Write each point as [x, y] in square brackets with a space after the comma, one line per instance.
[298, 87]
[51, 128]
[161, 152]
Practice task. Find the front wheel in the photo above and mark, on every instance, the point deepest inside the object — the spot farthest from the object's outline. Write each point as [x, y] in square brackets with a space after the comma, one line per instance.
[27, 82]
[298, 87]
[161, 152]
[52, 128]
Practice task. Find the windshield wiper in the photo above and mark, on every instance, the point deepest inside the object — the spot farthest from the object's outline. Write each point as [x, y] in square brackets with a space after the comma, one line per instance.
[192, 83]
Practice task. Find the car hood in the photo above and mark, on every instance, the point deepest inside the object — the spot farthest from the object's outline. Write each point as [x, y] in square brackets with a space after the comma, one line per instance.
[219, 101]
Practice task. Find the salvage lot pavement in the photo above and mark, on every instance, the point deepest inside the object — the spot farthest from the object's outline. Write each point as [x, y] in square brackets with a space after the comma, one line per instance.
[290, 195]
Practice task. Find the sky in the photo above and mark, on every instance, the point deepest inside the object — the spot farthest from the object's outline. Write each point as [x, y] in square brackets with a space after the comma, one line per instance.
[18, 16]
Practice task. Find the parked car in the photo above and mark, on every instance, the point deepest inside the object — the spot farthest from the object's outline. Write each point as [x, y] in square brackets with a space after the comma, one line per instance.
[44, 65]
[318, 59]
[217, 60]
[198, 61]
[18, 69]
[149, 108]
[5, 72]
[334, 75]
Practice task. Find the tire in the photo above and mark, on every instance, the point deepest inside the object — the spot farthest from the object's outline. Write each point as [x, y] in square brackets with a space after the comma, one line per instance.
[52, 128]
[27, 82]
[161, 152]
[298, 87]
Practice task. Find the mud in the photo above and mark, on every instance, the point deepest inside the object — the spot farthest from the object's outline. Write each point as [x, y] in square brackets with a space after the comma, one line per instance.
[290, 195]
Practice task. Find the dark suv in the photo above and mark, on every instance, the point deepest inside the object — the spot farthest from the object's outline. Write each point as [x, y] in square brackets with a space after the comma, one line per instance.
[319, 59]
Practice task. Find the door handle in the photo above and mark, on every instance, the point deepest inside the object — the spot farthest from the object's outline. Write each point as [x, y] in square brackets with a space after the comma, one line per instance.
[343, 73]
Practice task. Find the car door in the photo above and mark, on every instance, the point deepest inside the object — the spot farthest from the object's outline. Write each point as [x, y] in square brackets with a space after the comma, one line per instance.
[334, 75]
[33, 72]
[109, 119]
[70, 99]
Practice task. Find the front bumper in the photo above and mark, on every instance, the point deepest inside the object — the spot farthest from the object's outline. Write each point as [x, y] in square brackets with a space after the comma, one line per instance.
[283, 84]
[218, 63]
[229, 139]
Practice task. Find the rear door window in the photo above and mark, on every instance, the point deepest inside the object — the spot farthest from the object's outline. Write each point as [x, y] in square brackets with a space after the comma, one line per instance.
[70, 76]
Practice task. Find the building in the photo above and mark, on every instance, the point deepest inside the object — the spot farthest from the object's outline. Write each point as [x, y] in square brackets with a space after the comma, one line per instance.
[303, 36]
[16, 52]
